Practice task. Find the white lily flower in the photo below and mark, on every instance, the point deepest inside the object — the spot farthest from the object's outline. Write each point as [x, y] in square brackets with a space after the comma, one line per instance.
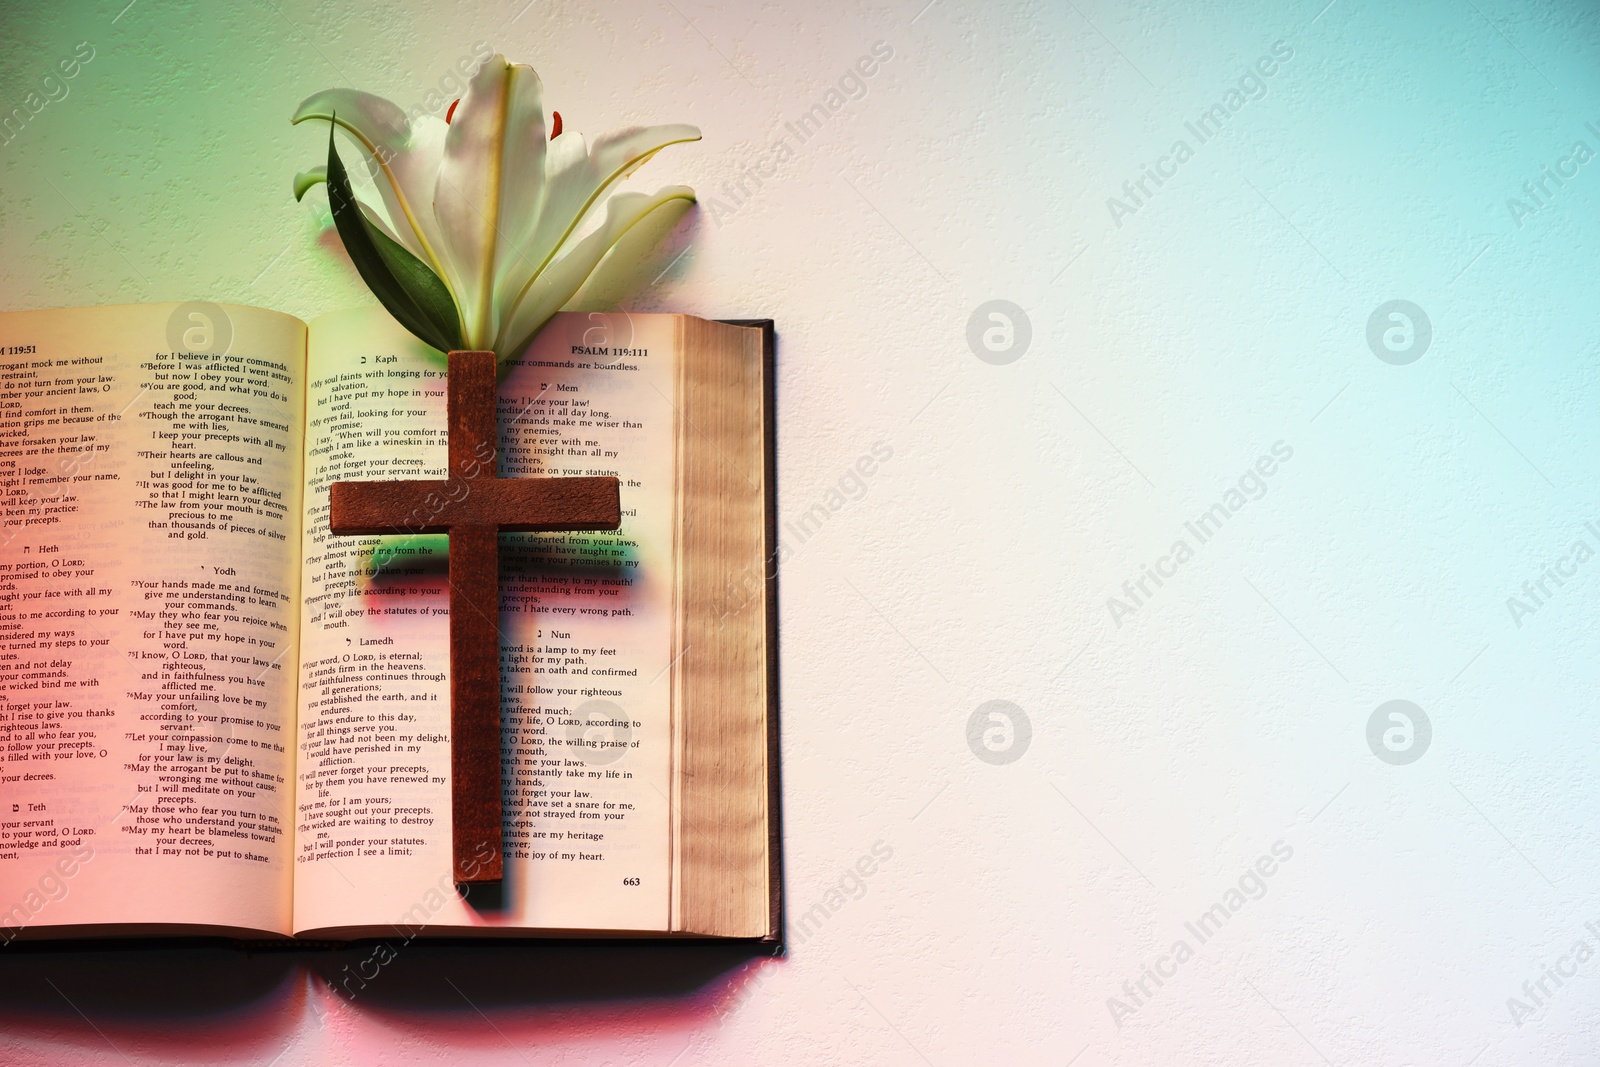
[488, 203]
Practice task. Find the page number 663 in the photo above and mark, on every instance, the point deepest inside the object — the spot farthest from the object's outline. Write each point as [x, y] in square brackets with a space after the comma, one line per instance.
[630, 881]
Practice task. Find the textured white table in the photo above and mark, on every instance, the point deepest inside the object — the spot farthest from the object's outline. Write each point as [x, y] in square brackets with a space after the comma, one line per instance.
[1175, 338]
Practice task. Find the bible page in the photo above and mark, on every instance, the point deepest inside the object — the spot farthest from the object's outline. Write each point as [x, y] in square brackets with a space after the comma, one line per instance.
[586, 631]
[149, 563]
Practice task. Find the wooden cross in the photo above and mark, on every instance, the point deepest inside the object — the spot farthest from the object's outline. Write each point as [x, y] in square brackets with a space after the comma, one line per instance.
[473, 505]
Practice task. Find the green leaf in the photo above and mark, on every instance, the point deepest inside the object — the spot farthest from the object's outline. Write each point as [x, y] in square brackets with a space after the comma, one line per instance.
[403, 284]
[304, 181]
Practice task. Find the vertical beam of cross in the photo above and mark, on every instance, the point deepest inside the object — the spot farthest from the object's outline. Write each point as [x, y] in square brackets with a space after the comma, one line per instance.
[473, 505]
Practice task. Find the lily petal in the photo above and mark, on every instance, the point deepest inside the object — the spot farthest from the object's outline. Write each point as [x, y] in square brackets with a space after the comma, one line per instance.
[558, 282]
[406, 154]
[308, 178]
[467, 197]
[577, 177]
[523, 188]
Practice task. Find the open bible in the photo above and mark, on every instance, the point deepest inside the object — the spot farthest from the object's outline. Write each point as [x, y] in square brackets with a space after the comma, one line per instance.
[216, 718]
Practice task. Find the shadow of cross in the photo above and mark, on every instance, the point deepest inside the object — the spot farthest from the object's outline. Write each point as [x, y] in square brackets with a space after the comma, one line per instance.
[473, 505]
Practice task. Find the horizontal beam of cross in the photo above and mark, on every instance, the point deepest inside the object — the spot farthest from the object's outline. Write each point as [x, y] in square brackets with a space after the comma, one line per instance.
[433, 507]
